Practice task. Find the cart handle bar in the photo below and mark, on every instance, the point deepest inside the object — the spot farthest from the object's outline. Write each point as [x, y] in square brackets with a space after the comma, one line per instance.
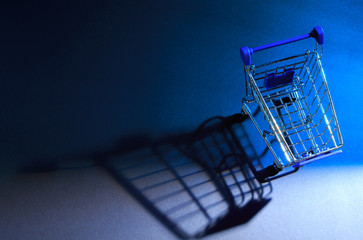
[316, 33]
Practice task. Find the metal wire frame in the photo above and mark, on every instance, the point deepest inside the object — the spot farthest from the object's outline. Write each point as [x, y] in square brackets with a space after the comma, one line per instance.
[300, 114]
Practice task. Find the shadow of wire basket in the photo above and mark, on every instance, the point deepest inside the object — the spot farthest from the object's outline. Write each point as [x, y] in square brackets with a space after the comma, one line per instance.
[293, 95]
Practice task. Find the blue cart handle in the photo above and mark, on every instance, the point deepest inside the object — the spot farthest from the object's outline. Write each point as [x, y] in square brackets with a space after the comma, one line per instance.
[316, 33]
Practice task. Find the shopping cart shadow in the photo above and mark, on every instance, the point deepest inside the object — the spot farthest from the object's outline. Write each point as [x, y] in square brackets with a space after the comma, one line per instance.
[195, 184]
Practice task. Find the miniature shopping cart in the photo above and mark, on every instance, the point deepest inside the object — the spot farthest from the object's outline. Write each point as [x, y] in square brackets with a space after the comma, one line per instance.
[293, 95]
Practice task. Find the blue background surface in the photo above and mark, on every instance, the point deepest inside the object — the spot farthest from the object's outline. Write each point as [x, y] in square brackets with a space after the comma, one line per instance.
[76, 78]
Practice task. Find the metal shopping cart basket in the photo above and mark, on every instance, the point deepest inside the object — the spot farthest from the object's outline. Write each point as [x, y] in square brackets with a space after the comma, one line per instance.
[293, 95]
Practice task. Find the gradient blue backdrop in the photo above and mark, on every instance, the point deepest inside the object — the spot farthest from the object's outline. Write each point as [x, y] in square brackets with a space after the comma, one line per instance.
[78, 77]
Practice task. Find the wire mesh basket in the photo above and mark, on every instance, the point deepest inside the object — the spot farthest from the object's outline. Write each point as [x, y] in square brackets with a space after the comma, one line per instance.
[293, 95]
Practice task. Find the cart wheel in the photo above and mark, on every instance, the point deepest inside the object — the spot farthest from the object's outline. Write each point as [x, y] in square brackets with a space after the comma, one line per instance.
[267, 172]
